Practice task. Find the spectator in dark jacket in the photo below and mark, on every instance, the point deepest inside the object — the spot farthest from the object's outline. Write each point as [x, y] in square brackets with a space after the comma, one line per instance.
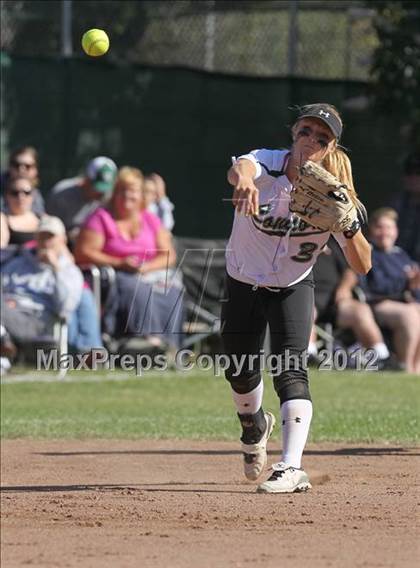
[392, 288]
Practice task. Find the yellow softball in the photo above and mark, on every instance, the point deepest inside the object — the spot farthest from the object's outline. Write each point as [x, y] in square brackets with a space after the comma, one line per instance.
[95, 42]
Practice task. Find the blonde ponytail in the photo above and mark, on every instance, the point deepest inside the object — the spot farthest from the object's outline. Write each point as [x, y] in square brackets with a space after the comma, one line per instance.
[338, 164]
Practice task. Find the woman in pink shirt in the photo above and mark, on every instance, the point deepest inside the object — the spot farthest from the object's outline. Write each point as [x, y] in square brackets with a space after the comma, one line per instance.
[129, 238]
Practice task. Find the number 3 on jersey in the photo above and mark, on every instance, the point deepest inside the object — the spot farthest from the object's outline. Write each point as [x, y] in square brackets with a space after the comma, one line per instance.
[305, 252]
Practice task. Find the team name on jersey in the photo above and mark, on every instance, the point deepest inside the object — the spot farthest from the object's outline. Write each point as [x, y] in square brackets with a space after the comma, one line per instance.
[279, 226]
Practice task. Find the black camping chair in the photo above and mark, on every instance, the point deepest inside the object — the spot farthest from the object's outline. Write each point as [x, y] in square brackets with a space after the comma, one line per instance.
[202, 264]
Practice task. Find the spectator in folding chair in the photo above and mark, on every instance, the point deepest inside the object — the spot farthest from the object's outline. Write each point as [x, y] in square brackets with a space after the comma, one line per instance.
[336, 304]
[43, 284]
[146, 297]
[392, 288]
[23, 162]
[18, 225]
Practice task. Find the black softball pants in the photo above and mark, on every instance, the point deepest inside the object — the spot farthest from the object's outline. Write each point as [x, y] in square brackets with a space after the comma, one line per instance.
[289, 314]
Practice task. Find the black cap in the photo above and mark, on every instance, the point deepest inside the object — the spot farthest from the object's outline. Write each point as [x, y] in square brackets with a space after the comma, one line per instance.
[323, 112]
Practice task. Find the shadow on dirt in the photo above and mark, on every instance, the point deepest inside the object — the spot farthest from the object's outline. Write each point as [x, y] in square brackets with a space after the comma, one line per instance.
[357, 451]
[170, 487]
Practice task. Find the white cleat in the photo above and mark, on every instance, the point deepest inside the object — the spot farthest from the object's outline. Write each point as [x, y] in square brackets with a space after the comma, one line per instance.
[285, 479]
[255, 455]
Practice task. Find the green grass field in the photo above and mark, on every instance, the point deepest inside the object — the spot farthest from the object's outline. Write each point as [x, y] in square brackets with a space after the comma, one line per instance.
[352, 407]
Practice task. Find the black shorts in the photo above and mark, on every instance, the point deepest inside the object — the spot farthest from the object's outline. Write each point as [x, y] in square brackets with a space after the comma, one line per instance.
[289, 315]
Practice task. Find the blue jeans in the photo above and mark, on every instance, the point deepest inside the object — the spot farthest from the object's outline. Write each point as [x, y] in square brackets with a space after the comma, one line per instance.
[84, 328]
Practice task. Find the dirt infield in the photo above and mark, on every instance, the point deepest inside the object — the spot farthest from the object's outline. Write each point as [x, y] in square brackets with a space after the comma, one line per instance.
[184, 504]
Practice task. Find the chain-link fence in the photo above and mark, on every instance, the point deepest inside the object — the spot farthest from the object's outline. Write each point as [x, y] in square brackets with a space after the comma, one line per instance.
[327, 39]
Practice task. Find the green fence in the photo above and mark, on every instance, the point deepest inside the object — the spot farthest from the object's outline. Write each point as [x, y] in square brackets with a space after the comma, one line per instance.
[185, 124]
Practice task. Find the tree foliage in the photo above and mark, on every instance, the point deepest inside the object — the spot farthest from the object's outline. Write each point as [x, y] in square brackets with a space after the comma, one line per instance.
[396, 63]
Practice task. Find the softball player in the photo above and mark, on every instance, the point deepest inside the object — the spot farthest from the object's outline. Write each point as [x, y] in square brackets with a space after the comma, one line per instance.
[269, 262]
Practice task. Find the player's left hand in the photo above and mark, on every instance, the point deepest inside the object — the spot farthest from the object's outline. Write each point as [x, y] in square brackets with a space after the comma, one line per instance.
[321, 200]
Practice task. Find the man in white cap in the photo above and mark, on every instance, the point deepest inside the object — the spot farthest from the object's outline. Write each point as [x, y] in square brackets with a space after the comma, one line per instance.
[72, 200]
[42, 284]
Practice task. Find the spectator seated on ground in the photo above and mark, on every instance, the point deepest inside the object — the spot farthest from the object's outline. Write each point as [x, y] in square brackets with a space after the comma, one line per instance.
[334, 303]
[73, 200]
[19, 224]
[42, 284]
[23, 162]
[407, 205]
[157, 201]
[392, 288]
[146, 298]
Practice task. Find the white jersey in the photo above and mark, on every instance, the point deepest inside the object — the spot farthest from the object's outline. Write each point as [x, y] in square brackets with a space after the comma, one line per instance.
[273, 248]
